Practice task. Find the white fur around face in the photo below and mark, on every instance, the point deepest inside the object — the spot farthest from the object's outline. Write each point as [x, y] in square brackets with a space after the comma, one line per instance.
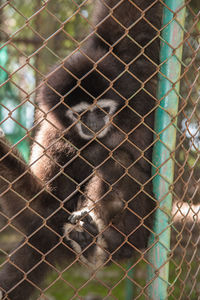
[84, 106]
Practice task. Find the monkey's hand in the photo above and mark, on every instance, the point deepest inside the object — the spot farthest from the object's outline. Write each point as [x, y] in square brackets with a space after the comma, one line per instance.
[79, 215]
[83, 233]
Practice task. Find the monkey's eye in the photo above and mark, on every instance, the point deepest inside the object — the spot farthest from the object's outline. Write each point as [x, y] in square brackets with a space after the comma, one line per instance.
[75, 115]
[106, 109]
[103, 111]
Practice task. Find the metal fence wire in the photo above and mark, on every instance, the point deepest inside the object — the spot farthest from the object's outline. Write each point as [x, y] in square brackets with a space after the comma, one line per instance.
[78, 213]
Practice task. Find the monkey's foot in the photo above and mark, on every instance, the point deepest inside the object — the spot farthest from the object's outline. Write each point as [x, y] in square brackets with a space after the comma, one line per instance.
[82, 232]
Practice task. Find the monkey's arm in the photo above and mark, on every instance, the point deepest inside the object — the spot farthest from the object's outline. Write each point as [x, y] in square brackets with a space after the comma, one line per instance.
[127, 25]
[22, 194]
[119, 203]
[25, 202]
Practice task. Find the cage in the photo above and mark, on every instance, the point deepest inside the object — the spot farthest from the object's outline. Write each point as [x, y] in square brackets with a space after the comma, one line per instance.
[135, 172]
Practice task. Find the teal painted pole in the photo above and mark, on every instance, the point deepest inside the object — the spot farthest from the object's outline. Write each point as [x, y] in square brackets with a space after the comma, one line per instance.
[9, 99]
[129, 286]
[163, 162]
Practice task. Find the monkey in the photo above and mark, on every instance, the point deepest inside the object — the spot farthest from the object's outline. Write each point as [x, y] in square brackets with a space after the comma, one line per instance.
[87, 191]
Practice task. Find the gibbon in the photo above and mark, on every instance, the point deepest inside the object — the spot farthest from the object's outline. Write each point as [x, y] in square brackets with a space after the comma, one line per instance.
[87, 190]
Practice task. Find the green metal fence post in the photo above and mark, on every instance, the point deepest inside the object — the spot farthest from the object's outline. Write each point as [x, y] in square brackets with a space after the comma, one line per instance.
[165, 128]
[9, 101]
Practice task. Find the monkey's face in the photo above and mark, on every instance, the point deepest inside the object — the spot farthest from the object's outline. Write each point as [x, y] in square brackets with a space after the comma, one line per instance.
[92, 119]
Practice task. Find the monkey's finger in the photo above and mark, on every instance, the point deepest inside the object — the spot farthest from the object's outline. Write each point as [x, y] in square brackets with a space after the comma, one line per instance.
[81, 238]
[87, 219]
[72, 219]
[91, 228]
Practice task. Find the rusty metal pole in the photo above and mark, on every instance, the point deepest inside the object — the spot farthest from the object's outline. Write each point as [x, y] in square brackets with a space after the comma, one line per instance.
[163, 154]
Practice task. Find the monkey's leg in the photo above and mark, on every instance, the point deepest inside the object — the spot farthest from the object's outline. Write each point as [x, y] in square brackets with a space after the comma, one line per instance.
[131, 227]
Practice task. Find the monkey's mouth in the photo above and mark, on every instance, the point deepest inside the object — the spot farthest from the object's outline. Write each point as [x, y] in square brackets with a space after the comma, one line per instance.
[94, 130]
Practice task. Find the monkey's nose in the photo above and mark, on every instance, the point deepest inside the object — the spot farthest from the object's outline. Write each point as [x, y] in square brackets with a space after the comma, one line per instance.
[91, 129]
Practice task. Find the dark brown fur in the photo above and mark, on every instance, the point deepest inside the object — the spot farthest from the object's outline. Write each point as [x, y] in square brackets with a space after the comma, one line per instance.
[59, 156]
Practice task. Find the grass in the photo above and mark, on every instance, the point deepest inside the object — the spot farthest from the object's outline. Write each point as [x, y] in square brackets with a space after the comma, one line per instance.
[77, 282]
[111, 282]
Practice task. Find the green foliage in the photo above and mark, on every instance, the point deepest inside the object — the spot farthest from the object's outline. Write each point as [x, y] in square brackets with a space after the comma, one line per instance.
[52, 27]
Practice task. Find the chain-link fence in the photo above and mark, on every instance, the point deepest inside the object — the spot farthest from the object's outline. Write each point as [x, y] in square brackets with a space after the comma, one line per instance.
[77, 220]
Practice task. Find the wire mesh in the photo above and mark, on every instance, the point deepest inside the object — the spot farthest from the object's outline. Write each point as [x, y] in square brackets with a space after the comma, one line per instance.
[34, 212]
